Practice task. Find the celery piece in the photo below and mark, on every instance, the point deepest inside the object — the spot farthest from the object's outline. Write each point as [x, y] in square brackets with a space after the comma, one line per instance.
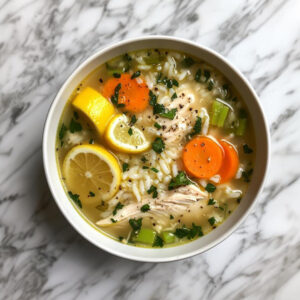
[145, 236]
[222, 116]
[153, 59]
[219, 113]
[240, 130]
[168, 237]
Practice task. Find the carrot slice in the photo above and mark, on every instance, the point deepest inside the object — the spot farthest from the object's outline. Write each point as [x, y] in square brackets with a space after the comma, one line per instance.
[230, 162]
[202, 157]
[134, 93]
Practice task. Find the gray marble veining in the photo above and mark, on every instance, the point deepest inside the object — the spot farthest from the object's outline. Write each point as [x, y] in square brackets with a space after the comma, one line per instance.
[41, 256]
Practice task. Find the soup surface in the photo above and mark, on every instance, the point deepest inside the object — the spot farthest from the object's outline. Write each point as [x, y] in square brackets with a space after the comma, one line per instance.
[155, 148]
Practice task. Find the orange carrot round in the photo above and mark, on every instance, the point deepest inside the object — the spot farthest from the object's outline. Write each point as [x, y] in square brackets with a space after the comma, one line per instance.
[134, 95]
[202, 157]
[230, 162]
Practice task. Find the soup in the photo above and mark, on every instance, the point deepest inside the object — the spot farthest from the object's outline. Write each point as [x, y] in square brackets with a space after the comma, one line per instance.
[155, 148]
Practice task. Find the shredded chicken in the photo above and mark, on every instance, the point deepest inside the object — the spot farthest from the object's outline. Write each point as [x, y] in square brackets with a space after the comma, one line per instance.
[173, 202]
[174, 131]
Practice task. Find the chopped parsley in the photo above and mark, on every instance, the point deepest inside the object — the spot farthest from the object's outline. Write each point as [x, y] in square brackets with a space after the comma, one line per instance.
[145, 208]
[117, 207]
[187, 62]
[117, 75]
[171, 217]
[115, 97]
[158, 145]
[198, 75]
[212, 221]
[91, 194]
[199, 78]
[247, 149]
[130, 132]
[210, 85]
[136, 224]
[153, 191]
[143, 159]
[125, 167]
[113, 220]
[157, 125]
[247, 175]
[197, 128]
[169, 114]
[153, 98]
[133, 120]
[166, 81]
[75, 198]
[211, 201]
[180, 180]
[145, 167]
[206, 75]
[75, 126]
[76, 116]
[210, 188]
[136, 74]
[174, 96]
[154, 170]
[189, 233]
[158, 242]
[121, 238]
[62, 131]
[91, 141]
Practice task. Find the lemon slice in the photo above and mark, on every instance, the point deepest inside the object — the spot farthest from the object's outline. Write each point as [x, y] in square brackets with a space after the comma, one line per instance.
[97, 108]
[91, 172]
[124, 138]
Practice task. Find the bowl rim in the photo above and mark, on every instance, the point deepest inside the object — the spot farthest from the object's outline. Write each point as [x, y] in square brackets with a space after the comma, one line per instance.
[124, 42]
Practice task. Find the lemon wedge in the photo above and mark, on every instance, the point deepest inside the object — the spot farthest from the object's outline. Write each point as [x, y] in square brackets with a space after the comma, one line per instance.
[91, 172]
[124, 138]
[97, 108]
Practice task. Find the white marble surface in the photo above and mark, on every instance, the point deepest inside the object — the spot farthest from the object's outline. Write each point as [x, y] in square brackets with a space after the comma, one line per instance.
[41, 256]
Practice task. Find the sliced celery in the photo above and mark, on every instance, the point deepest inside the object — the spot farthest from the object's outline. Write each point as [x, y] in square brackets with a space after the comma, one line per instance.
[153, 59]
[145, 236]
[223, 115]
[240, 130]
[219, 113]
[168, 237]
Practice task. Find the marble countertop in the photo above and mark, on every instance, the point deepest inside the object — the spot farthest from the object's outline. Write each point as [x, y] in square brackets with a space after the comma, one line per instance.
[41, 255]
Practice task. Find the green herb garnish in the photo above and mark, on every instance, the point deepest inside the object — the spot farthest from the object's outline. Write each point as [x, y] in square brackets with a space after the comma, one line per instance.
[158, 145]
[210, 188]
[117, 207]
[247, 149]
[133, 120]
[174, 96]
[76, 116]
[211, 201]
[187, 62]
[136, 74]
[153, 98]
[62, 131]
[91, 141]
[117, 75]
[197, 128]
[113, 220]
[91, 194]
[169, 114]
[247, 175]
[136, 224]
[157, 125]
[115, 97]
[75, 126]
[212, 221]
[153, 191]
[198, 75]
[210, 85]
[158, 242]
[75, 198]
[145, 208]
[154, 170]
[171, 217]
[145, 167]
[189, 233]
[180, 180]
[125, 167]
[130, 132]
[206, 75]
[143, 159]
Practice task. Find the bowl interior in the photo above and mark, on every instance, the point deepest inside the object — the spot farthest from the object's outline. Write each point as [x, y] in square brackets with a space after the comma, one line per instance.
[82, 225]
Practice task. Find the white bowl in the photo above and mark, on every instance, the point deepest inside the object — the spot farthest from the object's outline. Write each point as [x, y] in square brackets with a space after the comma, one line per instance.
[85, 227]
